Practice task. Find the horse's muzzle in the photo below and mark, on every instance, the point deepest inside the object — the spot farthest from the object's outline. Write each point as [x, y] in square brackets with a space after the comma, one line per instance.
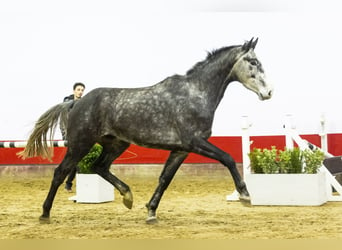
[266, 95]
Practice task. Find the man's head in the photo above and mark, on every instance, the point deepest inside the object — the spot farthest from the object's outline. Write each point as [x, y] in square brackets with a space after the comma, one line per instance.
[78, 90]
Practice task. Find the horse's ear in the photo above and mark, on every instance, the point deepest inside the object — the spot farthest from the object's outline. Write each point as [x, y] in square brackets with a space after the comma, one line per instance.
[249, 44]
[254, 43]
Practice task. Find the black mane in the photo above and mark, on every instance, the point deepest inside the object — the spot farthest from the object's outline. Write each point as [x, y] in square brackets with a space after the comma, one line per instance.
[217, 52]
[211, 56]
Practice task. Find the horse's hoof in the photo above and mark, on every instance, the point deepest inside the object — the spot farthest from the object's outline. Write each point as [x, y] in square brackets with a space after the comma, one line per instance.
[44, 220]
[245, 200]
[151, 220]
[128, 200]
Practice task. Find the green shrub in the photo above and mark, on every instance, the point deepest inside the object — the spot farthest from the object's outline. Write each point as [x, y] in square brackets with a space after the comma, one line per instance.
[290, 161]
[269, 161]
[256, 162]
[312, 160]
[84, 166]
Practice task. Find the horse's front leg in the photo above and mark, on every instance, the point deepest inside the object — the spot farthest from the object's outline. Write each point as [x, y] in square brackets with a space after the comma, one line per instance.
[205, 148]
[171, 166]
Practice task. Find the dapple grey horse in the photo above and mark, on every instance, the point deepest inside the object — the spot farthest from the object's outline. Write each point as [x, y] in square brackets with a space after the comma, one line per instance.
[175, 114]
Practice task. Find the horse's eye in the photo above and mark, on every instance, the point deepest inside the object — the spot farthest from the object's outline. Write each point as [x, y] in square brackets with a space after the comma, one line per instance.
[253, 62]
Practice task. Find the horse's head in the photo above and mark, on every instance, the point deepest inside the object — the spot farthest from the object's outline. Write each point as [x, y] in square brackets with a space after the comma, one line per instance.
[248, 70]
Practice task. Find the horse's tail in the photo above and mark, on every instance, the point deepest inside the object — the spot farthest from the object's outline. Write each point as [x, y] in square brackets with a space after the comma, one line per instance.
[37, 144]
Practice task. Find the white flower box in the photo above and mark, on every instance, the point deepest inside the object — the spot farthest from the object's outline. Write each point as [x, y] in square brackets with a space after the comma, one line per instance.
[287, 189]
[92, 188]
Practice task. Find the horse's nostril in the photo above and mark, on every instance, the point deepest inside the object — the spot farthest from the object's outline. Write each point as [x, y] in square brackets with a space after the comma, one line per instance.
[270, 93]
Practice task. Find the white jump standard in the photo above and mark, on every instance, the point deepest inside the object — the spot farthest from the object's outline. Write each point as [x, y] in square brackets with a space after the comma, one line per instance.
[22, 144]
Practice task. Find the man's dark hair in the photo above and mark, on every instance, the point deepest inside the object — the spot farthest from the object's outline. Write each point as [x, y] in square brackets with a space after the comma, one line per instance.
[78, 84]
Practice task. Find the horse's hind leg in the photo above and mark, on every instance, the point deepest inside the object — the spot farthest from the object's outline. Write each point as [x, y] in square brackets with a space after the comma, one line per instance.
[59, 175]
[111, 150]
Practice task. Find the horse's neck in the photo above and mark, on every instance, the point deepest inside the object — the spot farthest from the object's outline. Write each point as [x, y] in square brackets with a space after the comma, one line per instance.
[218, 94]
[213, 87]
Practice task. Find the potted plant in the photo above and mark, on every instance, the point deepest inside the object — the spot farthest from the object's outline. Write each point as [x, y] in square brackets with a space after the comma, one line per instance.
[286, 177]
[90, 187]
